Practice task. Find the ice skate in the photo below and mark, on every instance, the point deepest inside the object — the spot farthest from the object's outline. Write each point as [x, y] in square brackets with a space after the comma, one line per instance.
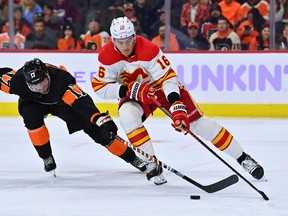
[155, 172]
[251, 166]
[139, 164]
[50, 165]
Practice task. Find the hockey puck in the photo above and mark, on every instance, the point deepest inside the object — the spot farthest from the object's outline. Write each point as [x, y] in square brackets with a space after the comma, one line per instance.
[195, 197]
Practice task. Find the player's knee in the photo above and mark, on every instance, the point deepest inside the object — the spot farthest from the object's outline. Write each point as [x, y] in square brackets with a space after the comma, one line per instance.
[206, 128]
[95, 133]
[130, 114]
[33, 125]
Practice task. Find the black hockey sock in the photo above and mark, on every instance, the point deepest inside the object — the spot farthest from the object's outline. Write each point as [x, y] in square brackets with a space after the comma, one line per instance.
[44, 151]
[242, 157]
[129, 155]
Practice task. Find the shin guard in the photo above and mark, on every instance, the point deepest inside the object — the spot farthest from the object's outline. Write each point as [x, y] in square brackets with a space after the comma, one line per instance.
[40, 140]
[118, 148]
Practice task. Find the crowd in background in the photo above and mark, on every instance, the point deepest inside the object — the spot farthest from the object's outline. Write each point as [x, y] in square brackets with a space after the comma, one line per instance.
[195, 24]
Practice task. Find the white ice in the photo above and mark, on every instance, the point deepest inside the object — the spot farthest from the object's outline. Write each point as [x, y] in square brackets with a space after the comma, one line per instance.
[92, 182]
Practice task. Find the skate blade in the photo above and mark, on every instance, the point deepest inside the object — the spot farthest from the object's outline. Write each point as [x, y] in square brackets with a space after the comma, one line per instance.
[158, 180]
[53, 172]
[160, 183]
[263, 179]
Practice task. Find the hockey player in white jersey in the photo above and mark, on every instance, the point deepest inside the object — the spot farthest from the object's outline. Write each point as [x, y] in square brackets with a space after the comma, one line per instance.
[131, 69]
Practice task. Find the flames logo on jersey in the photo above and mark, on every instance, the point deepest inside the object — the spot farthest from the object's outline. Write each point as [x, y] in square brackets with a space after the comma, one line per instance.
[137, 75]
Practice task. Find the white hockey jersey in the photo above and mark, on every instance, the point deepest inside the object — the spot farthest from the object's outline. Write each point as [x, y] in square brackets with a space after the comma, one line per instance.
[147, 64]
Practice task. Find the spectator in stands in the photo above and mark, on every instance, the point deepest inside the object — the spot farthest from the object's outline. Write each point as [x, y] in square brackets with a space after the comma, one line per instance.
[261, 42]
[105, 37]
[281, 17]
[282, 42]
[281, 6]
[30, 8]
[157, 4]
[70, 11]
[146, 15]
[3, 12]
[92, 39]
[69, 39]
[40, 37]
[193, 11]
[197, 41]
[19, 39]
[117, 5]
[230, 9]
[21, 24]
[129, 11]
[160, 40]
[154, 28]
[261, 5]
[52, 20]
[137, 27]
[250, 27]
[224, 38]
[112, 10]
[285, 15]
[210, 25]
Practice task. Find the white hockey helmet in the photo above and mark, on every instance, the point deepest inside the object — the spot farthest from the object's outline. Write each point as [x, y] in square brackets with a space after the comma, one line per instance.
[121, 27]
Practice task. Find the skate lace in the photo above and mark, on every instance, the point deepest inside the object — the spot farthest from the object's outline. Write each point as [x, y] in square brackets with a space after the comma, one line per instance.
[249, 164]
[48, 161]
[138, 162]
[151, 166]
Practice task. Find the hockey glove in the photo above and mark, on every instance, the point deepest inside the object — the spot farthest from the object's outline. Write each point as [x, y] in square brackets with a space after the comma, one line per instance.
[179, 117]
[140, 92]
[108, 128]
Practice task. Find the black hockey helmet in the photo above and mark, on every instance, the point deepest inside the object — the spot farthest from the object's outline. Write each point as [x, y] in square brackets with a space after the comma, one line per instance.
[35, 71]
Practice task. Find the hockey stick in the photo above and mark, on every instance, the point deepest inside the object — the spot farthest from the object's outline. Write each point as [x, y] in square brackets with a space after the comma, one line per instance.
[265, 197]
[207, 188]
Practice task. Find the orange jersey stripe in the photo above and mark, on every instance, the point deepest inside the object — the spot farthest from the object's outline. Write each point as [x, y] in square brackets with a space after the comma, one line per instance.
[5, 88]
[69, 98]
[73, 93]
[139, 136]
[223, 139]
[117, 147]
[39, 136]
[93, 116]
[5, 80]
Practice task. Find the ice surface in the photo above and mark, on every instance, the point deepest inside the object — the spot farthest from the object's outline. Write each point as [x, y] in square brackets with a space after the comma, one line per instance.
[92, 182]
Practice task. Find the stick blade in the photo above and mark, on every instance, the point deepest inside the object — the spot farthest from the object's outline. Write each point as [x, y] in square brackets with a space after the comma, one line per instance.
[221, 184]
[265, 197]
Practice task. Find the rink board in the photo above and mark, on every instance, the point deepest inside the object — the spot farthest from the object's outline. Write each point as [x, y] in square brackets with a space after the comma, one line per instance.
[223, 84]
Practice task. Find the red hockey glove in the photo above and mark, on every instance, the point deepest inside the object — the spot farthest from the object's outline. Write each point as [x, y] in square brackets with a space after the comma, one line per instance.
[179, 117]
[140, 92]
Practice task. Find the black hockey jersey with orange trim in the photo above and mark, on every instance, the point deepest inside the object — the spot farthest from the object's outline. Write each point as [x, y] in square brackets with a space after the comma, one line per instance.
[63, 90]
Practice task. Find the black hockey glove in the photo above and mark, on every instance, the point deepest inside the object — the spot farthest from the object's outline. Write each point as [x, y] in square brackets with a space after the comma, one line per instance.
[108, 128]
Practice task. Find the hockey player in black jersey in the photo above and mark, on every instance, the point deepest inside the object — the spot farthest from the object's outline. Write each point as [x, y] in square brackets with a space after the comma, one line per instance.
[46, 89]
